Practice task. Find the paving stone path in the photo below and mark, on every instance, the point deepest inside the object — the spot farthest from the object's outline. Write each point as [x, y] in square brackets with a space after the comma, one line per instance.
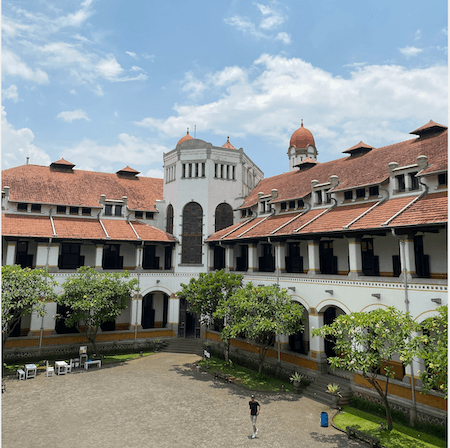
[156, 401]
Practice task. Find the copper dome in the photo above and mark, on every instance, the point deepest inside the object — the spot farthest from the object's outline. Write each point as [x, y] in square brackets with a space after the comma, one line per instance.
[302, 138]
[186, 137]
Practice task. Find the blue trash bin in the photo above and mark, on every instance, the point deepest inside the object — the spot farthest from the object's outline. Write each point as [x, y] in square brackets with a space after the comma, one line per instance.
[323, 419]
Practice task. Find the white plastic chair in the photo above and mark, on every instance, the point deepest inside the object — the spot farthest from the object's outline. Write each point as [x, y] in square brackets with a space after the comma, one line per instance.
[69, 366]
[20, 374]
[49, 371]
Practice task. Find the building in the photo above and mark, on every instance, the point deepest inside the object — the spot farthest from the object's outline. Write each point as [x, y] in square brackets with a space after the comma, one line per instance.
[364, 231]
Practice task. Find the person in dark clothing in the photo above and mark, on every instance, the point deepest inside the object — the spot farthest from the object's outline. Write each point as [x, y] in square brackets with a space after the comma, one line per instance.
[255, 408]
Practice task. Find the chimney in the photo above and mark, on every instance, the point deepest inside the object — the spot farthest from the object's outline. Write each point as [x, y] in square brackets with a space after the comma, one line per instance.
[102, 199]
[314, 182]
[6, 191]
[334, 181]
[422, 162]
[392, 166]
[124, 200]
[274, 194]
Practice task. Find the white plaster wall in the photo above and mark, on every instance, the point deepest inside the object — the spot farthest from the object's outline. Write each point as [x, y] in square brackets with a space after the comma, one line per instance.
[385, 247]
[88, 250]
[128, 251]
[435, 245]
[340, 249]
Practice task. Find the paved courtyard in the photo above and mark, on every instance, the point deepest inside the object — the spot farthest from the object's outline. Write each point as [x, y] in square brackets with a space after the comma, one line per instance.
[156, 401]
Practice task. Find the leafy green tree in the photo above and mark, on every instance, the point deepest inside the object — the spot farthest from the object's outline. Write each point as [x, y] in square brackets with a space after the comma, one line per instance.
[432, 347]
[93, 298]
[24, 290]
[260, 313]
[205, 293]
[366, 343]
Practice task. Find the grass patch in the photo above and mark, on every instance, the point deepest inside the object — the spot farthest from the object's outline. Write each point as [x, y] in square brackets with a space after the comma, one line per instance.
[124, 357]
[400, 436]
[245, 377]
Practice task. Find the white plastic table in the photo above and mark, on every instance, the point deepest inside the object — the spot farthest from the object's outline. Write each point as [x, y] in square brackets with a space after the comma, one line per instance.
[30, 371]
[61, 367]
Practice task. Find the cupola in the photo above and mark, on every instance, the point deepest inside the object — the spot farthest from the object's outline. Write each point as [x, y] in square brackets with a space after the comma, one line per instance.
[430, 129]
[302, 138]
[301, 147]
[358, 150]
[128, 172]
[185, 138]
[228, 145]
[62, 165]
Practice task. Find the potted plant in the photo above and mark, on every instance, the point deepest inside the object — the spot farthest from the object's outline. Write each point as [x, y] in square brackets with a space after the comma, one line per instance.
[158, 344]
[335, 390]
[296, 379]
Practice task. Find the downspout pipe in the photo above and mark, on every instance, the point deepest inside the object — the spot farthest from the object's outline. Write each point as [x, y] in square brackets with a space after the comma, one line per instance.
[405, 280]
[137, 295]
[269, 240]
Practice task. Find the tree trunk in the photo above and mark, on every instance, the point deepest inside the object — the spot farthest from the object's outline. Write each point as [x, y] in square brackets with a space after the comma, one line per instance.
[384, 399]
[227, 350]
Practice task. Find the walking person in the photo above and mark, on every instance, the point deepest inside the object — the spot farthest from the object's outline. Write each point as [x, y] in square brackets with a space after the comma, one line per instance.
[255, 408]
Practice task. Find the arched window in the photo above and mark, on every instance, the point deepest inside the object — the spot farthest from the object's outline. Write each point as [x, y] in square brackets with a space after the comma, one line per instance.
[192, 234]
[224, 216]
[169, 219]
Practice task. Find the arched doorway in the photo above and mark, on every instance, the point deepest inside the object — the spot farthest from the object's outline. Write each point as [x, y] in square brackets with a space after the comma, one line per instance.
[188, 322]
[154, 310]
[298, 343]
[328, 317]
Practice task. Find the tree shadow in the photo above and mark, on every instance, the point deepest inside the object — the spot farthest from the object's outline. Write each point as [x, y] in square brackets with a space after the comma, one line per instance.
[335, 440]
[264, 397]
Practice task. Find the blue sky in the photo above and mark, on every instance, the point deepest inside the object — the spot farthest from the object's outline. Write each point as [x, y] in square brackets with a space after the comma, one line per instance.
[111, 83]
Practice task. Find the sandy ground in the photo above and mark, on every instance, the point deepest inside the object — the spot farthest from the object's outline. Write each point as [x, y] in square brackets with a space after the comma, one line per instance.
[156, 401]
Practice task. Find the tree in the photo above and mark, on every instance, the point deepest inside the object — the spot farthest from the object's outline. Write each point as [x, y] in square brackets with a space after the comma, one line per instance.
[432, 346]
[260, 313]
[24, 290]
[366, 343]
[93, 298]
[205, 293]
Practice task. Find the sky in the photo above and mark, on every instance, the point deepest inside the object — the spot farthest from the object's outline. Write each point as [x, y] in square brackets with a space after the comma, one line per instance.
[110, 83]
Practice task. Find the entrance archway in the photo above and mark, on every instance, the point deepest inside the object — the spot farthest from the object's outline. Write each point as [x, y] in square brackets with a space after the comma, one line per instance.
[188, 322]
[154, 310]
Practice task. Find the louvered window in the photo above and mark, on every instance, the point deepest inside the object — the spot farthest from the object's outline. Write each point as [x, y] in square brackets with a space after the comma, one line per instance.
[192, 234]
[224, 216]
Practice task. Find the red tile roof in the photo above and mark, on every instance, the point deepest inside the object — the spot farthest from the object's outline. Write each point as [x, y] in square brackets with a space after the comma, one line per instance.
[228, 145]
[183, 139]
[20, 225]
[369, 169]
[41, 184]
[427, 127]
[430, 209]
[360, 145]
[302, 138]
[80, 228]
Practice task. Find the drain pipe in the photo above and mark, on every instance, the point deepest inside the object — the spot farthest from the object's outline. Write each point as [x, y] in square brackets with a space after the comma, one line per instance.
[405, 280]
[269, 240]
[137, 295]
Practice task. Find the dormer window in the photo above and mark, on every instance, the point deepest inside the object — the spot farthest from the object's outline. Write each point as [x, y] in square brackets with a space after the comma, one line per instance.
[61, 209]
[374, 191]
[318, 197]
[348, 195]
[414, 181]
[400, 183]
[118, 210]
[360, 193]
[283, 205]
[300, 203]
[442, 179]
[22, 207]
[108, 210]
[291, 205]
[149, 215]
[36, 208]
[86, 211]
[138, 214]
[73, 210]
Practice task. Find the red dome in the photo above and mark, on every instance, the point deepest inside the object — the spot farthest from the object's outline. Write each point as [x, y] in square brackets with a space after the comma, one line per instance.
[186, 137]
[302, 138]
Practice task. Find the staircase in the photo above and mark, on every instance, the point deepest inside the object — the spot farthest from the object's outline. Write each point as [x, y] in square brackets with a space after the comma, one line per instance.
[183, 345]
[317, 389]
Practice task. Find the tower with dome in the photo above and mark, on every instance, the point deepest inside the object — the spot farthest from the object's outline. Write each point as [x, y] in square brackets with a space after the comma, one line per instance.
[301, 146]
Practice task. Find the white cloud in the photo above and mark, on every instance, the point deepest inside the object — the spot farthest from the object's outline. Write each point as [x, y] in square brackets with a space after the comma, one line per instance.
[132, 54]
[91, 154]
[284, 37]
[272, 18]
[418, 35]
[70, 116]
[17, 145]
[149, 56]
[155, 172]
[371, 105]
[13, 66]
[11, 93]
[109, 68]
[135, 68]
[410, 51]
[193, 86]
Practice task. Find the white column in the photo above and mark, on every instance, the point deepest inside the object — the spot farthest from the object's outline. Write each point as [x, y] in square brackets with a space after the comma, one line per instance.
[136, 312]
[252, 258]
[407, 257]
[354, 252]
[173, 313]
[99, 256]
[229, 258]
[11, 253]
[280, 257]
[210, 258]
[53, 255]
[41, 255]
[316, 344]
[313, 257]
